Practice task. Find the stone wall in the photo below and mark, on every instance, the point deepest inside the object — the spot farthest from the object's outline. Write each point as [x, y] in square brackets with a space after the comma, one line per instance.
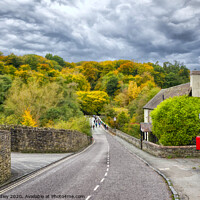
[170, 151]
[45, 140]
[5, 156]
[158, 150]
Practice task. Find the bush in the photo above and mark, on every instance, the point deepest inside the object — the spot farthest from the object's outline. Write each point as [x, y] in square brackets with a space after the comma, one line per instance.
[176, 120]
[80, 124]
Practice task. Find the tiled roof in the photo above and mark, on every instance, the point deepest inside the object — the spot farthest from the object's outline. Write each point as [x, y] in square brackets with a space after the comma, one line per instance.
[179, 90]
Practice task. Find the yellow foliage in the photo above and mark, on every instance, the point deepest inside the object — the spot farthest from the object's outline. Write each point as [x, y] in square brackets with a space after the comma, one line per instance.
[133, 90]
[119, 110]
[28, 119]
[148, 84]
[122, 99]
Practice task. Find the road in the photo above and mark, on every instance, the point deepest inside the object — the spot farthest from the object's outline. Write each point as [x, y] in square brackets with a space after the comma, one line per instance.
[104, 171]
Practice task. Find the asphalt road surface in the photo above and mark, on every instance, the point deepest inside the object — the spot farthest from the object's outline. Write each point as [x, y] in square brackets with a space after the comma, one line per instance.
[104, 171]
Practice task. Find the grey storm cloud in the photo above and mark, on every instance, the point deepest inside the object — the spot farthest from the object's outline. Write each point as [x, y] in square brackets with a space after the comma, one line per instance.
[142, 30]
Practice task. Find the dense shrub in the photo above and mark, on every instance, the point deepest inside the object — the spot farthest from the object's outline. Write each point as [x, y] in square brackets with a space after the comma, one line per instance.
[80, 124]
[176, 120]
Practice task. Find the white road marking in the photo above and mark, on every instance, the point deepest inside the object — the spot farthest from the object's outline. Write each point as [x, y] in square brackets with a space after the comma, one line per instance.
[107, 169]
[106, 174]
[88, 197]
[107, 165]
[96, 188]
[102, 180]
[164, 169]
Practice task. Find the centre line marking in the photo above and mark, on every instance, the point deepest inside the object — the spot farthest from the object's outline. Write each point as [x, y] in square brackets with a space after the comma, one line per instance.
[107, 170]
[88, 198]
[106, 174]
[107, 165]
[96, 188]
[102, 180]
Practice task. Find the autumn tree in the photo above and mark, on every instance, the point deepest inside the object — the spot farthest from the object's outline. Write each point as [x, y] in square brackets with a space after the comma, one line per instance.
[128, 69]
[13, 60]
[133, 90]
[38, 98]
[92, 102]
[91, 72]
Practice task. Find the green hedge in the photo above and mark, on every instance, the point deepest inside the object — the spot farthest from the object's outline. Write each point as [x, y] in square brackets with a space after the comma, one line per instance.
[176, 120]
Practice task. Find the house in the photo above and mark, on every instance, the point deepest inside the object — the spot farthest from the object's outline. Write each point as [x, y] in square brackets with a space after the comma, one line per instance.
[191, 89]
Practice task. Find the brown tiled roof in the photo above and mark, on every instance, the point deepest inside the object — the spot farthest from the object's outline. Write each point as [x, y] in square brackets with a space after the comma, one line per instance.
[195, 73]
[179, 90]
[145, 127]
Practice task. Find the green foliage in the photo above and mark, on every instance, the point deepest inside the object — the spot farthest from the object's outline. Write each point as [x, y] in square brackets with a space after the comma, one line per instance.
[108, 111]
[5, 84]
[112, 85]
[176, 120]
[170, 74]
[33, 96]
[58, 59]
[14, 60]
[122, 120]
[133, 130]
[136, 106]
[47, 87]
[80, 124]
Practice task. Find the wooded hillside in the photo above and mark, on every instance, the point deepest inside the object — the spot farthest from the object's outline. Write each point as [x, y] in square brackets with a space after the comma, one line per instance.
[49, 91]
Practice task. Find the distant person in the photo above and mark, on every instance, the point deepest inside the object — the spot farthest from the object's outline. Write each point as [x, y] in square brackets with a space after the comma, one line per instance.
[96, 124]
[99, 124]
[93, 126]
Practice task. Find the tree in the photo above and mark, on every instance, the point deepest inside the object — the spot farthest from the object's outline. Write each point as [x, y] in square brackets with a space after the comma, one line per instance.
[91, 72]
[5, 84]
[136, 106]
[58, 59]
[112, 85]
[92, 102]
[33, 96]
[128, 68]
[133, 90]
[122, 119]
[14, 60]
[176, 120]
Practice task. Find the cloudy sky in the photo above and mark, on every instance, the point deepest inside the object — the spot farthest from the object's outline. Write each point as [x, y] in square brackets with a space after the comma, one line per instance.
[142, 30]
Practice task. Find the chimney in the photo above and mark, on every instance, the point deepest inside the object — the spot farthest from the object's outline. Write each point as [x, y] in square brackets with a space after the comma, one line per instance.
[195, 83]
